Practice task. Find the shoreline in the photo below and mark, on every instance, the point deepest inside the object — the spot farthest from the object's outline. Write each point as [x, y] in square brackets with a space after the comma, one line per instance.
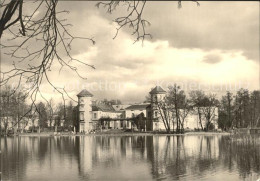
[120, 134]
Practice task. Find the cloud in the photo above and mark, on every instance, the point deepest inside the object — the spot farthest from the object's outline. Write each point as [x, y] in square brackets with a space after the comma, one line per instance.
[212, 25]
[131, 70]
[212, 58]
[197, 47]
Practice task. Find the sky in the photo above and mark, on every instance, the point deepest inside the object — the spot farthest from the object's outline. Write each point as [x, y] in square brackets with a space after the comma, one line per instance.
[213, 47]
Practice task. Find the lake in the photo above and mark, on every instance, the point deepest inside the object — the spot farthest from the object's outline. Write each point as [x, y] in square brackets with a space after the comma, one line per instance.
[189, 157]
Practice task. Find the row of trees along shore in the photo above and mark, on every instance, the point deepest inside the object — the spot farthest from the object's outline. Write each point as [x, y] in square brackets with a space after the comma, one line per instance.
[239, 110]
[235, 110]
[17, 112]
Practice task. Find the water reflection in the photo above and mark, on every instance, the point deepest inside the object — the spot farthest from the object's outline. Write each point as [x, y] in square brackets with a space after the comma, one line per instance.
[131, 158]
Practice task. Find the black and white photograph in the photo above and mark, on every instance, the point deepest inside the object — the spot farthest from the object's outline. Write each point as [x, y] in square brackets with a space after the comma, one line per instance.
[129, 90]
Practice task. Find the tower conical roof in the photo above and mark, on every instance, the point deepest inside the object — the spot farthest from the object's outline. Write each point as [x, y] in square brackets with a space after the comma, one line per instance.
[85, 93]
[157, 90]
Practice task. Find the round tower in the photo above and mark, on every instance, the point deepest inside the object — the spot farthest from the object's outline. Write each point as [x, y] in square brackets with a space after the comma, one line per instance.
[85, 111]
[157, 94]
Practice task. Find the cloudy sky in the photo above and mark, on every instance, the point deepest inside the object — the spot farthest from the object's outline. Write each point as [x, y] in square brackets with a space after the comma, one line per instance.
[214, 47]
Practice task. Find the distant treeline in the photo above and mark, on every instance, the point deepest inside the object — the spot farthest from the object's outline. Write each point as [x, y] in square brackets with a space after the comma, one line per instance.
[14, 111]
[240, 110]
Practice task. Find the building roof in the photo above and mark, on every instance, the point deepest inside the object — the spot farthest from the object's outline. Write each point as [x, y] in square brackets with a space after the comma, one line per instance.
[85, 93]
[138, 106]
[120, 107]
[157, 90]
[103, 107]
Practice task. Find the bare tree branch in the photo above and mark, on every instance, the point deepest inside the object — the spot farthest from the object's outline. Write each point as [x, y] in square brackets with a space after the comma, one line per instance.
[53, 37]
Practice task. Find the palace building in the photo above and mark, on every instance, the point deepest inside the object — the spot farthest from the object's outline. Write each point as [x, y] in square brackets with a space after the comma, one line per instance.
[95, 115]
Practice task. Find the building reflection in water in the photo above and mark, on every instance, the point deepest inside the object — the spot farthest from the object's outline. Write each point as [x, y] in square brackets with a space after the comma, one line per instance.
[131, 158]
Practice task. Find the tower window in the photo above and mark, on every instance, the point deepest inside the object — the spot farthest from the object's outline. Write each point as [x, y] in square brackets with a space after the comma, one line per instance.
[81, 116]
[155, 98]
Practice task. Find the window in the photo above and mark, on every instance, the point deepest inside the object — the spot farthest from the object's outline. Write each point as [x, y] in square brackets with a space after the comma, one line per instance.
[95, 115]
[155, 98]
[81, 105]
[81, 116]
[155, 114]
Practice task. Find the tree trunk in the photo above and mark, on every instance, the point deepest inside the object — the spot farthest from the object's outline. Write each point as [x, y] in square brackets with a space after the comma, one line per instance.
[6, 125]
[200, 121]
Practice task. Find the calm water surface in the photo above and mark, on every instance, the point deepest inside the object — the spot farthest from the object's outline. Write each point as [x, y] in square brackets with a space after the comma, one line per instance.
[131, 158]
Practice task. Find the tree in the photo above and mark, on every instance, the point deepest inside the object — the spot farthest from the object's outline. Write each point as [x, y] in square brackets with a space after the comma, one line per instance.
[139, 121]
[75, 118]
[197, 97]
[50, 111]
[175, 106]
[65, 113]
[7, 109]
[60, 114]
[210, 104]
[33, 118]
[255, 108]
[69, 115]
[241, 112]
[226, 111]
[111, 102]
[12, 107]
[42, 112]
[229, 108]
[242, 108]
[222, 120]
[179, 103]
[20, 108]
[186, 109]
[164, 110]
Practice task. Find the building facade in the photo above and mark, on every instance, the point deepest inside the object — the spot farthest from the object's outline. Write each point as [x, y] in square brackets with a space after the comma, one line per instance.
[85, 110]
[93, 115]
